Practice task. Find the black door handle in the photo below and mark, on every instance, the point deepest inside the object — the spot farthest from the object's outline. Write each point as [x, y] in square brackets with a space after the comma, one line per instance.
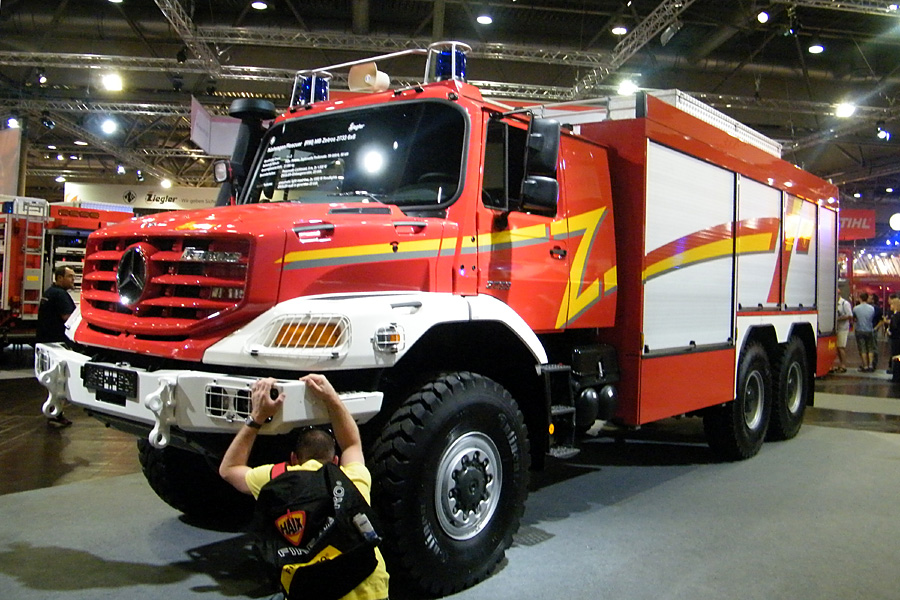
[557, 252]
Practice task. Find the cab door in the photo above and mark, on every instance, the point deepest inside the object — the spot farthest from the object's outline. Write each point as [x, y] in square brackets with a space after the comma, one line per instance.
[523, 255]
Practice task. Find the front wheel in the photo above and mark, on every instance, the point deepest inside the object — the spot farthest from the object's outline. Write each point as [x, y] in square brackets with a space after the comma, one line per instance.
[791, 392]
[736, 430]
[187, 482]
[450, 477]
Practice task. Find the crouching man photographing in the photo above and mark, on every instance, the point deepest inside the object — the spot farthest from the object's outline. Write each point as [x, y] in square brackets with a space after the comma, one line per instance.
[321, 538]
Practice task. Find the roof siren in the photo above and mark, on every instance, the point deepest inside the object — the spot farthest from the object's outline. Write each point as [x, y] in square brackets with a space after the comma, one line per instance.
[367, 78]
[449, 60]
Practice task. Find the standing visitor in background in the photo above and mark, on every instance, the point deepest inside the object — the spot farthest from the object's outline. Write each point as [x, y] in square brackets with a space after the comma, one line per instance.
[865, 332]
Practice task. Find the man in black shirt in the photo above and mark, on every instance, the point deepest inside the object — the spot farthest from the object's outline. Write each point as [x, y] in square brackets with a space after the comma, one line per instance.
[56, 308]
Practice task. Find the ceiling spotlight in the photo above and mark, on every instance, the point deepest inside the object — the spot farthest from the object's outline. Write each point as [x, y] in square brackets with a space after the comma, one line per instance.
[115, 1]
[166, 183]
[60, 157]
[80, 143]
[894, 221]
[139, 175]
[670, 31]
[46, 121]
[259, 5]
[889, 190]
[109, 126]
[762, 16]
[181, 57]
[619, 30]
[881, 132]
[120, 170]
[112, 82]
[815, 46]
[893, 7]
[627, 88]
[484, 19]
[177, 83]
[41, 77]
[844, 110]
[13, 122]
[857, 195]
[51, 147]
[60, 179]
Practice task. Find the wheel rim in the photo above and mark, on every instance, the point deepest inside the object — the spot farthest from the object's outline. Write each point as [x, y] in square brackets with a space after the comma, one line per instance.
[793, 388]
[753, 400]
[470, 477]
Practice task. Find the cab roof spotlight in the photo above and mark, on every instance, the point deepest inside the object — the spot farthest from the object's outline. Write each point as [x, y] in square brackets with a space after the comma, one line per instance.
[762, 16]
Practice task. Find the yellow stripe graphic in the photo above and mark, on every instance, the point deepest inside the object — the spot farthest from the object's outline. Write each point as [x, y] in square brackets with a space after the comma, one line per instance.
[705, 252]
[432, 245]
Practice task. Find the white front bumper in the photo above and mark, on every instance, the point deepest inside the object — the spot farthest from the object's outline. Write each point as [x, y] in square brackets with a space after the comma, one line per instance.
[193, 401]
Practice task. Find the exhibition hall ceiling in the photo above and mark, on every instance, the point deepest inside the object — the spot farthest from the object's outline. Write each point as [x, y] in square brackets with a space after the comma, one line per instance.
[54, 54]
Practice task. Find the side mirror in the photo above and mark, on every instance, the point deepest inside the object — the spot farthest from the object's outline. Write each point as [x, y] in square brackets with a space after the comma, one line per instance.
[543, 147]
[226, 170]
[540, 194]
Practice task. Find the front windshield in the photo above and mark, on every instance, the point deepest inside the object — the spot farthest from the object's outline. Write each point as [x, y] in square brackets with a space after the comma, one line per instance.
[409, 154]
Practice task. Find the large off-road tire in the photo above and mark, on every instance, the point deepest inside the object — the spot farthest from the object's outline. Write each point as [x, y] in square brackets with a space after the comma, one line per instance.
[736, 430]
[187, 482]
[450, 478]
[792, 389]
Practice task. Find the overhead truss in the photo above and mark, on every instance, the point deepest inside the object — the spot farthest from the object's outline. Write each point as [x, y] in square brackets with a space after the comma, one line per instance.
[870, 7]
[662, 16]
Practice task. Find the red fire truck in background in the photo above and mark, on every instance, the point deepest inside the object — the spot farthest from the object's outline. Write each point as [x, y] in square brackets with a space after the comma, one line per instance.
[482, 282]
[35, 238]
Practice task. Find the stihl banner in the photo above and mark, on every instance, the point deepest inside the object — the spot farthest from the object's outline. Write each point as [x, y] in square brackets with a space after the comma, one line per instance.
[857, 224]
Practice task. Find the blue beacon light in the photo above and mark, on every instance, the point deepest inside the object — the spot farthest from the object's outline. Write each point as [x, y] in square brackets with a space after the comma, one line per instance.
[313, 88]
[451, 64]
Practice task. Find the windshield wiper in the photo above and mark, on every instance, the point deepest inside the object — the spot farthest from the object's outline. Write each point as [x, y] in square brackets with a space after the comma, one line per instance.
[356, 193]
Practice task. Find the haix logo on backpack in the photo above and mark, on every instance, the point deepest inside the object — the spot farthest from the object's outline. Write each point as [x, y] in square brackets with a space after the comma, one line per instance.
[291, 525]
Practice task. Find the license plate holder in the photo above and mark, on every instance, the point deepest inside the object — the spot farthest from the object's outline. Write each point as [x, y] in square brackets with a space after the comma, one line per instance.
[105, 380]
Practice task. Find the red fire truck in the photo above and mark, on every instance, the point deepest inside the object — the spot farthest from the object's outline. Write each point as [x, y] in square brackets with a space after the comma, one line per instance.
[22, 227]
[36, 237]
[482, 282]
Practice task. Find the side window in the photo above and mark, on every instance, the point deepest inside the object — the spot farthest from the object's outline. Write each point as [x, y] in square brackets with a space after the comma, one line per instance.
[504, 165]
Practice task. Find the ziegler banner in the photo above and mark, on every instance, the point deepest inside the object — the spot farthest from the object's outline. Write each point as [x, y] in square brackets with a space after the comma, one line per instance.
[857, 224]
[143, 196]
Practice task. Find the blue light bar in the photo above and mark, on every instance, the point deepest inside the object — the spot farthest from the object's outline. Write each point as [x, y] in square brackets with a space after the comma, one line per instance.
[313, 88]
[451, 64]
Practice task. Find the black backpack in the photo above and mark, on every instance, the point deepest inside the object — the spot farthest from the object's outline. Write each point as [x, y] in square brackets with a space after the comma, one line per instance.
[318, 525]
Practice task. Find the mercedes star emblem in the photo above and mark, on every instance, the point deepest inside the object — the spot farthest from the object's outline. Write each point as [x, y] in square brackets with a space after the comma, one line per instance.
[131, 276]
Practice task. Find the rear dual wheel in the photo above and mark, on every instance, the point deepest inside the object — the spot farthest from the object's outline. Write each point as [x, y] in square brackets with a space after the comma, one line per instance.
[736, 430]
[792, 389]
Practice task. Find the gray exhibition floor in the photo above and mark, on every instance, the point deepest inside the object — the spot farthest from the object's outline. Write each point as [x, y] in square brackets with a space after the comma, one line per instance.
[813, 518]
